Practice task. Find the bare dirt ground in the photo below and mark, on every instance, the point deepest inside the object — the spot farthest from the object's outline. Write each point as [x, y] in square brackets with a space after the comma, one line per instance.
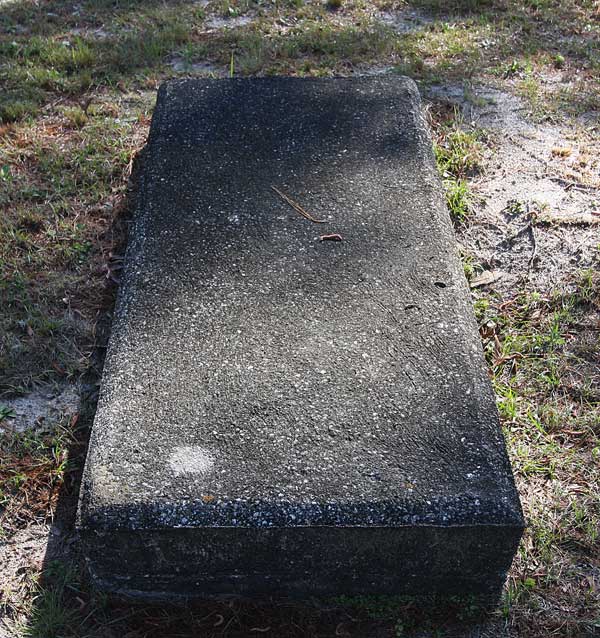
[540, 171]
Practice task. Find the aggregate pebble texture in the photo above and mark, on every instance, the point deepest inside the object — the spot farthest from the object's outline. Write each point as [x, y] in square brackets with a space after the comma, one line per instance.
[281, 414]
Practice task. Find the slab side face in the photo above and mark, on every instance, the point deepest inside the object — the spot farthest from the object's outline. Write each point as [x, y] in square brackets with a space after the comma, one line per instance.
[265, 389]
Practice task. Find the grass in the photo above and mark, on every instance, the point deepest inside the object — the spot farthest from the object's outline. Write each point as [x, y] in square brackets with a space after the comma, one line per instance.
[78, 84]
[64, 190]
[32, 469]
[458, 152]
[542, 354]
[51, 614]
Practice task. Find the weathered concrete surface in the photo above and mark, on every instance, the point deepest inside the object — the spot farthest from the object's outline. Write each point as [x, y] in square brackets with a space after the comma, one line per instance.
[280, 414]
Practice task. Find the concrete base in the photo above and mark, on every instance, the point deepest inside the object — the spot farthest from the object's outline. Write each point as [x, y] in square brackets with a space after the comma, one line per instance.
[283, 414]
[302, 561]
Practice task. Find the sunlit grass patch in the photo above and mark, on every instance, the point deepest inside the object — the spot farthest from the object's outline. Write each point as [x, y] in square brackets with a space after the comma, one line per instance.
[547, 393]
[312, 47]
[458, 152]
[32, 467]
[35, 69]
[51, 609]
[50, 252]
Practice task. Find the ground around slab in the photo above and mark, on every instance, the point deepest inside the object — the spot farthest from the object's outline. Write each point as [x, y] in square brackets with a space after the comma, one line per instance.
[512, 96]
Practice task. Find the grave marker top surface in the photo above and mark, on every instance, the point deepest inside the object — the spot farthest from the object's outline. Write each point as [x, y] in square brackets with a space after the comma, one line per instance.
[257, 376]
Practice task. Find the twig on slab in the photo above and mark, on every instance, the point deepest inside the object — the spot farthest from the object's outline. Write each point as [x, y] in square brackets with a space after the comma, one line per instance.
[296, 206]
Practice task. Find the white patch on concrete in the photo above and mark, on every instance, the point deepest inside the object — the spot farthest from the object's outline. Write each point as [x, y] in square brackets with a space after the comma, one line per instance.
[190, 459]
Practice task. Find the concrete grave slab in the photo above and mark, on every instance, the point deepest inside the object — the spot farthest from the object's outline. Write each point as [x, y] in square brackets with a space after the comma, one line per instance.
[281, 414]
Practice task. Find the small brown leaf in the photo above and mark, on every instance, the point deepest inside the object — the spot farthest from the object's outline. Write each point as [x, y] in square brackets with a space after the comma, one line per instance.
[60, 370]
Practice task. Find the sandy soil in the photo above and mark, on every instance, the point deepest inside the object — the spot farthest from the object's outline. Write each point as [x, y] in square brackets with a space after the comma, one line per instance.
[537, 202]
